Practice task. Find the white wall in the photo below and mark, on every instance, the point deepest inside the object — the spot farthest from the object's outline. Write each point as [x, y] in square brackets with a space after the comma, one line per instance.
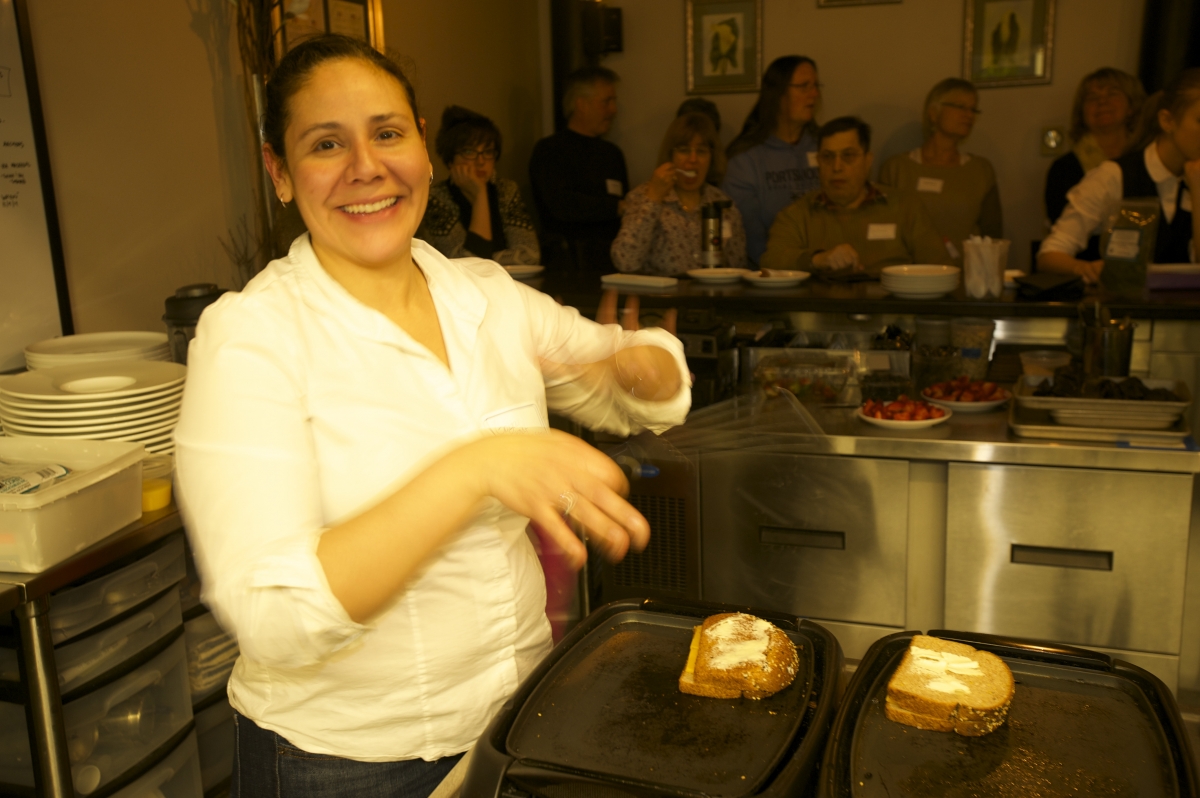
[878, 62]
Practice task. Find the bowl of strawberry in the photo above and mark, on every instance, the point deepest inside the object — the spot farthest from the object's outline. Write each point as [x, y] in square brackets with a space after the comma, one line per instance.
[904, 413]
[964, 395]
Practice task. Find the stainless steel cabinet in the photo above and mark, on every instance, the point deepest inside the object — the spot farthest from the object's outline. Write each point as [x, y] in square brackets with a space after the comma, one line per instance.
[823, 537]
[1096, 558]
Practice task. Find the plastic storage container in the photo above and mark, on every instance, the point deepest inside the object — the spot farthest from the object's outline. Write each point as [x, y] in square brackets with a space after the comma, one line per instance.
[211, 655]
[77, 609]
[94, 655]
[973, 340]
[215, 736]
[102, 494]
[1043, 362]
[110, 729]
[812, 377]
[177, 776]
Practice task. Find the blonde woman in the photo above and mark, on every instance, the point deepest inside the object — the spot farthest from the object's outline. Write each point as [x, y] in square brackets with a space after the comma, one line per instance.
[958, 189]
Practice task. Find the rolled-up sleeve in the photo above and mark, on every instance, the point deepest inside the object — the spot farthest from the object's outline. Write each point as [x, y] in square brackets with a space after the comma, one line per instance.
[563, 337]
[249, 491]
[1089, 204]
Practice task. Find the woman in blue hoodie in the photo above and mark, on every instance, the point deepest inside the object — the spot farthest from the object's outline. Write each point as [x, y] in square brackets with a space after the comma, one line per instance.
[774, 159]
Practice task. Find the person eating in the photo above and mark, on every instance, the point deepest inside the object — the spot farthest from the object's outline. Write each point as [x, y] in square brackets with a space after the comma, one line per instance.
[958, 189]
[773, 160]
[851, 223]
[1105, 122]
[660, 231]
[473, 212]
[1168, 168]
[364, 441]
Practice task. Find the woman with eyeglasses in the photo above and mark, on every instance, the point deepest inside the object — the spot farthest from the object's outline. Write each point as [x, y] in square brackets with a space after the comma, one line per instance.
[660, 231]
[474, 212]
[773, 161]
[958, 189]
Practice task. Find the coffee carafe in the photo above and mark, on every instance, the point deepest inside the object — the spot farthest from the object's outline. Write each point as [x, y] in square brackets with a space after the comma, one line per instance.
[711, 233]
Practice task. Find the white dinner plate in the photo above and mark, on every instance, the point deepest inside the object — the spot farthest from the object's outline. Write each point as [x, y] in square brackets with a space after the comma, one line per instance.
[968, 407]
[717, 276]
[95, 381]
[98, 407]
[887, 423]
[74, 427]
[102, 343]
[156, 426]
[96, 416]
[778, 278]
[522, 272]
[639, 280]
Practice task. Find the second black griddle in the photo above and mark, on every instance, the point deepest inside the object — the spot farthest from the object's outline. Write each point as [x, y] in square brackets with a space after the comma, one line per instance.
[1080, 724]
[606, 712]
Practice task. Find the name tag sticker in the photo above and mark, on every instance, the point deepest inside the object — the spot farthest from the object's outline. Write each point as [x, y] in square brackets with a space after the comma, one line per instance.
[1123, 244]
[812, 160]
[881, 232]
[515, 419]
[931, 184]
[615, 188]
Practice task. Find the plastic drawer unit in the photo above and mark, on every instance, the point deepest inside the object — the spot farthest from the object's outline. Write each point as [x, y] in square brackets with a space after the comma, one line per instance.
[176, 776]
[215, 735]
[211, 655]
[102, 493]
[94, 655]
[110, 730]
[78, 609]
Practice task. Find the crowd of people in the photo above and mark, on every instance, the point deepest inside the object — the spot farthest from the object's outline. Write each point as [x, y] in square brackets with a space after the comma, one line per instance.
[796, 194]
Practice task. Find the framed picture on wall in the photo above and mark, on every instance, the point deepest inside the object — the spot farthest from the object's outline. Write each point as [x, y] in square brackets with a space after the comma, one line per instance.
[724, 45]
[837, 3]
[1008, 42]
[297, 20]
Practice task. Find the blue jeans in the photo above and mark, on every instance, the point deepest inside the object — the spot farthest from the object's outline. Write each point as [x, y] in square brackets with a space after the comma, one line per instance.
[266, 765]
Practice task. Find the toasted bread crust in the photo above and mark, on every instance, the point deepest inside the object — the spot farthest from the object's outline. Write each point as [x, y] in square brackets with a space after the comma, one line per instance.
[708, 673]
[910, 701]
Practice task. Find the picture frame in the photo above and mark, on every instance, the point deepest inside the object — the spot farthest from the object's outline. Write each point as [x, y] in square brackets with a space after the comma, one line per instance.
[1008, 42]
[297, 20]
[840, 3]
[723, 46]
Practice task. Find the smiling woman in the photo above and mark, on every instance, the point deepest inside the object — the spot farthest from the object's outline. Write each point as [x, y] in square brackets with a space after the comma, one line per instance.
[363, 442]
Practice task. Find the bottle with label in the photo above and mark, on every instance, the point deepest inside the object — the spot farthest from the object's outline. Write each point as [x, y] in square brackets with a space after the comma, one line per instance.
[711, 233]
[1127, 246]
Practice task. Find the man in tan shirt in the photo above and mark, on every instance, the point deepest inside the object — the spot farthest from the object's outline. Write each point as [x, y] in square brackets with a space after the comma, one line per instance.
[851, 223]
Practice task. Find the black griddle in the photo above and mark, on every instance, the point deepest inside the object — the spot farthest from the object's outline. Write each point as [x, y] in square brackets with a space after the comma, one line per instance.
[603, 717]
[1080, 724]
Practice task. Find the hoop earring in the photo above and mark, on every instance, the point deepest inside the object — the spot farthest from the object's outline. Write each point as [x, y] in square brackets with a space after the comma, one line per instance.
[281, 202]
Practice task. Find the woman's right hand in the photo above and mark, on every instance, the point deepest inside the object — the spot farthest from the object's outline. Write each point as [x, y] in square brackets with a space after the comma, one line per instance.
[661, 182]
[540, 476]
[463, 175]
[1089, 270]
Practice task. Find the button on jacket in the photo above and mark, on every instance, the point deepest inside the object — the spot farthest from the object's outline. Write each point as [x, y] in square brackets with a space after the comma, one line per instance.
[303, 408]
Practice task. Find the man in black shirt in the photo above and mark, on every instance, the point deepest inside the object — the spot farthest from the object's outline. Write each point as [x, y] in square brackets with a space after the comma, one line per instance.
[578, 178]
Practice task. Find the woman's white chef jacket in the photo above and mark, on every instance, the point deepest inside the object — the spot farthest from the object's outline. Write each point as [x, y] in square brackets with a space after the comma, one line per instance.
[303, 408]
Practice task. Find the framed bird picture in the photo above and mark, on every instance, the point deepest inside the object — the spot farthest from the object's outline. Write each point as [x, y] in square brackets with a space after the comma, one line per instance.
[724, 45]
[1008, 42]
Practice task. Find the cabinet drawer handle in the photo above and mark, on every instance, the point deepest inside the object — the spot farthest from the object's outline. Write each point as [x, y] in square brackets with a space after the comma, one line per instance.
[807, 538]
[1062, 558]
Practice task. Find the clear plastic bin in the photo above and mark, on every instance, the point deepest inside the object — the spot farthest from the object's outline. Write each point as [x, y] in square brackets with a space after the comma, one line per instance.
[111, 729]
[176, 776]
[212, 653]
[215, 735]
[93, 655]
[102, 494]
[77, 609]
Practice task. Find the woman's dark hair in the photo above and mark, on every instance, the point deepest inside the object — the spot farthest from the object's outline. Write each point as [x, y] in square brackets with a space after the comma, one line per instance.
[844, 124]
[297, 67]
[764, 116]
[686, 127]
[1176, 98]
[463, 128]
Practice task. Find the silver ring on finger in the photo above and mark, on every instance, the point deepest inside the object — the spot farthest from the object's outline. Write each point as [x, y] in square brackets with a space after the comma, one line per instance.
[566, 502]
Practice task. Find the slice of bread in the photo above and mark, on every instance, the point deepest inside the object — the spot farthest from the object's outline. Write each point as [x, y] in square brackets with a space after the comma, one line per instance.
[737, 655]
[946, 686]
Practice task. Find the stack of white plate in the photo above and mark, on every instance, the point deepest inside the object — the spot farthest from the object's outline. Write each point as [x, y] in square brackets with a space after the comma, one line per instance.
[130, 400]
[919, 281]
[77, 350]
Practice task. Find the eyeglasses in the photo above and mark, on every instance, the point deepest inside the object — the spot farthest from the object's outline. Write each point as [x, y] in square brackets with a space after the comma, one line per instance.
[848, 157]
[967, 108]
[476, 155]
[810, 85]
[699, 152]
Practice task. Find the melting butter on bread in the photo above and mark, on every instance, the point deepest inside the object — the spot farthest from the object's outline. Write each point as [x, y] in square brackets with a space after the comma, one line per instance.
[734, 655]
[946, 686]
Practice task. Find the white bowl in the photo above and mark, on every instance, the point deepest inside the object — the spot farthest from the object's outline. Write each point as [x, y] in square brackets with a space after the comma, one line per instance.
[920, 270]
